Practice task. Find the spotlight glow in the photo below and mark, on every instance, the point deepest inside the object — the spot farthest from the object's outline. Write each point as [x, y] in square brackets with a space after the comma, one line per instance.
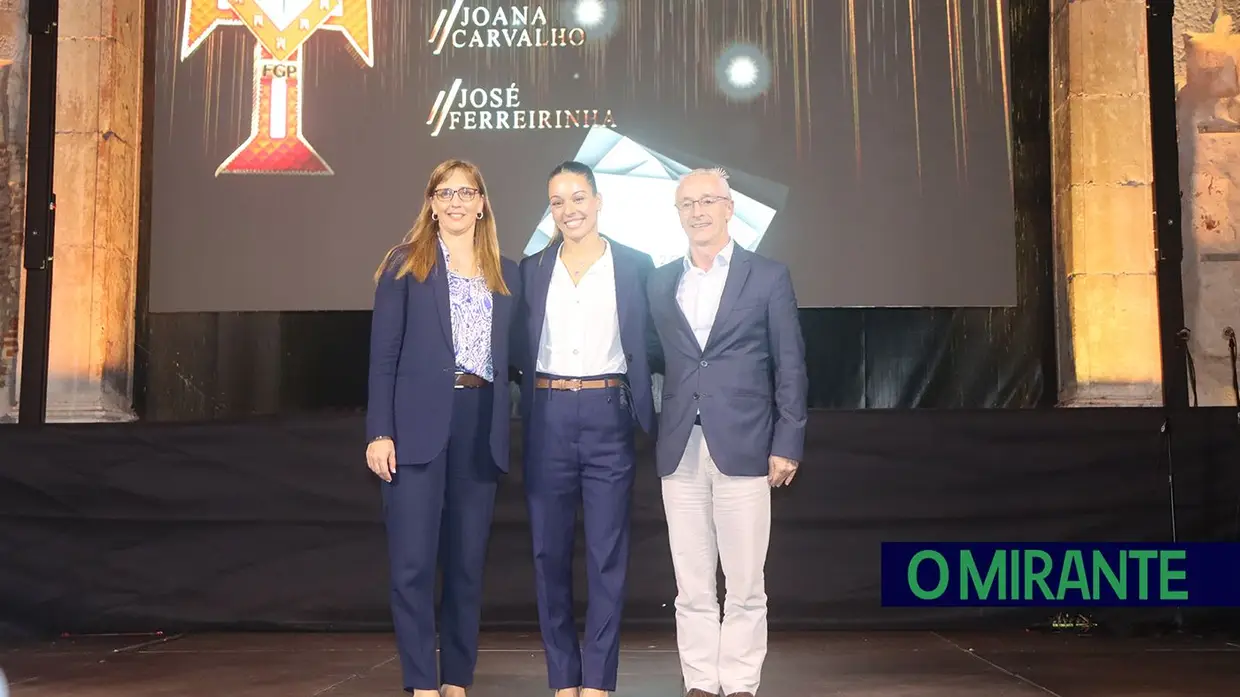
[599, 18]
[742, 72]
[589, 13]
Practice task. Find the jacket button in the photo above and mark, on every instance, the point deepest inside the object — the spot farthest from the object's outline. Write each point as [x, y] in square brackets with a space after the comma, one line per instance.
[704, 364]
[696, 395]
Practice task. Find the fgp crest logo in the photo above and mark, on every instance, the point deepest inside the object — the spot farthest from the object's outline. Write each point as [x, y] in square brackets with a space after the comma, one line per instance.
[280, 27]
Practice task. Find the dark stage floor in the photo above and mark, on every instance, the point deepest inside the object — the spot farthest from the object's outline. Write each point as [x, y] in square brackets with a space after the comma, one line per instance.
[886, 664]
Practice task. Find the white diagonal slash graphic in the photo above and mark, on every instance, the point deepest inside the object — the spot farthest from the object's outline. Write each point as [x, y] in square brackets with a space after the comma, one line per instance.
[443, 26]
[443, 14]
[443, 106]
[435, 109]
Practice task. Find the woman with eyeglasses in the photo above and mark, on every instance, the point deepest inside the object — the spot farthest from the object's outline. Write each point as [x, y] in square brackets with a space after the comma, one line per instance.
[437, 420]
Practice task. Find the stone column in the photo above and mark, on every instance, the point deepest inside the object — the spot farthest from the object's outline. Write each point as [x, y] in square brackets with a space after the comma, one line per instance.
[98, 133]
[14, 89]
[1106, 285]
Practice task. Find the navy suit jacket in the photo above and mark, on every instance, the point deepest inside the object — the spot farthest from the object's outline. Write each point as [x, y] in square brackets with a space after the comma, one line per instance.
[749, 383]
[413, 364]
[637, 336]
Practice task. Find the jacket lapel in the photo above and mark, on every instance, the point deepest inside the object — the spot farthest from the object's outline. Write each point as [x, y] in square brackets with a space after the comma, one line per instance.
[738, 271]
[682, 323]
[626, 282]
[443, 297]
[500, 309]
[539, 285]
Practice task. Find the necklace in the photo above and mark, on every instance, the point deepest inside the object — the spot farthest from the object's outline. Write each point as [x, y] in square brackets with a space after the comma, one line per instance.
[456, 269]
[577, 267]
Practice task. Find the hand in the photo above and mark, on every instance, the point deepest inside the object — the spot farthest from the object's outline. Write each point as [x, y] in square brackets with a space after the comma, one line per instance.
[782, 471]
[381, 458]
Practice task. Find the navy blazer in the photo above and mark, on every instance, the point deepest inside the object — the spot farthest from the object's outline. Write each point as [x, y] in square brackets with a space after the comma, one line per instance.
[749, 382]
[413, 363]
[640, 342]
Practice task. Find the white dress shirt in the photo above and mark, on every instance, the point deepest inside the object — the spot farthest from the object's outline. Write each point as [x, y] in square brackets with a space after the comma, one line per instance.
[700, 292]
[581, 328]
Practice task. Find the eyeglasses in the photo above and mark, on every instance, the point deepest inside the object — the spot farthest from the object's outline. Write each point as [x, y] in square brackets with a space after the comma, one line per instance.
[467, 194]
[706, 201]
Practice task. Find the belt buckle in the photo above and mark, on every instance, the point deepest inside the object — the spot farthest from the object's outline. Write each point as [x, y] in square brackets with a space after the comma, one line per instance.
[456, 380]
[574, 384]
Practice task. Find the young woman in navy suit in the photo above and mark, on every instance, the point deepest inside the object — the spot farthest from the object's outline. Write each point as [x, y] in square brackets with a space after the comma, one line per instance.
[586, 349]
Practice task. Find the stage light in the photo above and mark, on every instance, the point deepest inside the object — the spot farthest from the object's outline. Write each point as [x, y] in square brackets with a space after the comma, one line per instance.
[598, 18]
[590, 13]
[743, 72]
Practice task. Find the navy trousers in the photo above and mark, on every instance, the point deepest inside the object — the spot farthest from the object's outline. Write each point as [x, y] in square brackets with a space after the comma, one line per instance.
[581, 453]
[440, 513]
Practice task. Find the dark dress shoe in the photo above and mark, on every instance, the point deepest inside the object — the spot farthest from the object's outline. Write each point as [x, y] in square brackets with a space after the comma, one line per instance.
[699, 693]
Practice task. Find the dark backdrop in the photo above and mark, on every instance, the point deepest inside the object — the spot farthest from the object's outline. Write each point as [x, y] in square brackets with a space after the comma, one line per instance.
[223, 365]
[264, 523]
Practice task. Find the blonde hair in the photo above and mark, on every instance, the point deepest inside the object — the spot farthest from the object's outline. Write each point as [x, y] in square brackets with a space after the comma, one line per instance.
[418, 253]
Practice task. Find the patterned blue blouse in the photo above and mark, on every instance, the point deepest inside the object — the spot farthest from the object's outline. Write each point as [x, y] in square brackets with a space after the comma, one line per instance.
[470, 300]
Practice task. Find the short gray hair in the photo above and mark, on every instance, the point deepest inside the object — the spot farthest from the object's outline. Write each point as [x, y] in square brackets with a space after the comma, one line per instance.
[717, 172]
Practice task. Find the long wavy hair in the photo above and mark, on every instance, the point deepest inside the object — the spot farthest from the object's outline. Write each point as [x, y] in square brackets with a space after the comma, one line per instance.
[418, 253]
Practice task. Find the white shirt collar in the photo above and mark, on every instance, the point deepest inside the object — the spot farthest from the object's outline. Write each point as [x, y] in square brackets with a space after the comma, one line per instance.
[603, 261]
[722, 259]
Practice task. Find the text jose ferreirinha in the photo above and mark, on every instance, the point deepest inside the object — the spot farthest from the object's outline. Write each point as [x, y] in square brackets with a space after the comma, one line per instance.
[1057, 573]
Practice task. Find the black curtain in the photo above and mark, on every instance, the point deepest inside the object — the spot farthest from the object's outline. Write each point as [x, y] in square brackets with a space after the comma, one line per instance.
[274, 523]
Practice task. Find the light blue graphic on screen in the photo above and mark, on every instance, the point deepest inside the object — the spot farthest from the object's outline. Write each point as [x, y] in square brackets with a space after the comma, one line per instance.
[639, 192]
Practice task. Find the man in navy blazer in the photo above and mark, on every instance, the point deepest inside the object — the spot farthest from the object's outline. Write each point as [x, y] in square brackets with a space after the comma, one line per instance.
[732, 425]
[587, 351]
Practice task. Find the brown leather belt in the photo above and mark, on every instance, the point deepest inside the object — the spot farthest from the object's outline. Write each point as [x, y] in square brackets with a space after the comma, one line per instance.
[464, 380]
[575, 384]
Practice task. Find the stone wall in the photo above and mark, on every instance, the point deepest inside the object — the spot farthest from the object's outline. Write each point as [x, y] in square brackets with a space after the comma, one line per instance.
[1208, 82]
[98, 142]
[1195, 15]
[14, 54]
